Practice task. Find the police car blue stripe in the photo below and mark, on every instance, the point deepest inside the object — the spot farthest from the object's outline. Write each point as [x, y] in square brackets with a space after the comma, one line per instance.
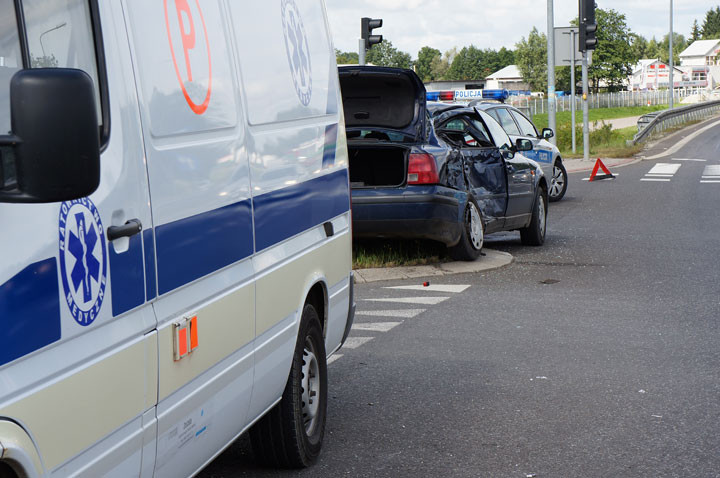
[198, 245]
[126, 276]
[284, 213]
[29, 310]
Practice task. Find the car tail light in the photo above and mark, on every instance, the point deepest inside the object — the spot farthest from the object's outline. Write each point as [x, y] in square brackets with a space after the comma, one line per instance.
[422, 169]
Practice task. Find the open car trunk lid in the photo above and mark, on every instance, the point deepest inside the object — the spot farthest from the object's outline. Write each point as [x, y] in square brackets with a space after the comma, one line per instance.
[383, 98]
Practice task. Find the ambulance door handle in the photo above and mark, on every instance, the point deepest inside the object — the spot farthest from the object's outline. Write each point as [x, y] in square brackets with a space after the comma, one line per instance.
[130, 228]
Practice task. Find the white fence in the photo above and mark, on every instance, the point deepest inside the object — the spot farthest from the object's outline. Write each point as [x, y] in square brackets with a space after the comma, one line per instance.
[535, 106]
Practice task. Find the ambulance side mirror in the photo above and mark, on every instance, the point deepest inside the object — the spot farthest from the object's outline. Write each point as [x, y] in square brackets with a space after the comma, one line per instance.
[53, 151]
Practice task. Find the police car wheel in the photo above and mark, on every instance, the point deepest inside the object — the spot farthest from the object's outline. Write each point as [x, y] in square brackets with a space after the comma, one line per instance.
[534, 234]
[558, 182]
[472, 237]
[290, 435]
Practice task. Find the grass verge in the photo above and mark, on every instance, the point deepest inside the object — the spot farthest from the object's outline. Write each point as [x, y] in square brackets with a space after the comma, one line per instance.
[597, 114]
[392, 253]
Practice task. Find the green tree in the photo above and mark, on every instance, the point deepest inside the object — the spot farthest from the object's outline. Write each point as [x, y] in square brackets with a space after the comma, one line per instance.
[346, 57]
[531, 59]
[639, 46]
[679, 44]
[440, 66]
[423, 65]
[613, 58]
[695, 34]
[711, 25]
[384, 54]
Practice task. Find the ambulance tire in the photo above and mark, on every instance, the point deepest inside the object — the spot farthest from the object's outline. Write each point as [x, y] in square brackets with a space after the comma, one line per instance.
[291, 434]
[6, 471]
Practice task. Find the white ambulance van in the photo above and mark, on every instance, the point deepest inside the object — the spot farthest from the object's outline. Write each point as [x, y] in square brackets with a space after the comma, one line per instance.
[175, 248]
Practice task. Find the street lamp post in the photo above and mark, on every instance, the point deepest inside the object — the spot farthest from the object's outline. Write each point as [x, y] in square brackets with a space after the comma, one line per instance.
[672, 66]
[551, 68]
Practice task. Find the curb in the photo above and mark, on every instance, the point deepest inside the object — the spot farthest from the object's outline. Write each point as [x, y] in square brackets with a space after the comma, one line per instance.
[490, 261]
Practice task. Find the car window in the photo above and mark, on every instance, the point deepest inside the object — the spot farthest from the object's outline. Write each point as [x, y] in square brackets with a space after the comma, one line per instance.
[474, 134]
[499, 136]
[526, 127]
[60, 35]
[10, 59]
[503, 117]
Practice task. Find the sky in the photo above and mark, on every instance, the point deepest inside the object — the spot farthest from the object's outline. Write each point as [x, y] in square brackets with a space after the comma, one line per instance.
[443, 24]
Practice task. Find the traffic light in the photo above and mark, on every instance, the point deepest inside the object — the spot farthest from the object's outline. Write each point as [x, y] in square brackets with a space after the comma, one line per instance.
[588, 27]
[367, 25]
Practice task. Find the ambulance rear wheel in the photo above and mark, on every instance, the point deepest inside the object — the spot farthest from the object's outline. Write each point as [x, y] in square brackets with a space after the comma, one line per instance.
[291, 434]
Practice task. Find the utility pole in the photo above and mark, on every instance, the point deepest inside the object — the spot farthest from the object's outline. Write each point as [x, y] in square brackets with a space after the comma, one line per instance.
[551, 68]
[572, 88]
[672, 66]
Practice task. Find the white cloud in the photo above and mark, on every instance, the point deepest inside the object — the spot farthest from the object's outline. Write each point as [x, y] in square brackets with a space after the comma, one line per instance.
[412, 24]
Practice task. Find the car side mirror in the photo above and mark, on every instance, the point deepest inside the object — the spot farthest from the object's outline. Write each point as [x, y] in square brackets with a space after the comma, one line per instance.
[53, 151]
[523, 145]
[547, 133]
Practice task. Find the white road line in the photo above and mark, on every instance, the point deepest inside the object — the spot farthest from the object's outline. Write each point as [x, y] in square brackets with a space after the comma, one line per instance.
[665, 168]
[710, 181]
[711, 177]
[688, 159]
[334, 358]
[655, 179]
[433, 288]
[412, 300]
[355, 342]
[656, 175]
[401, 314]
[375, 326]
[712, 170]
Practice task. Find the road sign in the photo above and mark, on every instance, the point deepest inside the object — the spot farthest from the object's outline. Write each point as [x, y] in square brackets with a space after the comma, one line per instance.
[563, 47]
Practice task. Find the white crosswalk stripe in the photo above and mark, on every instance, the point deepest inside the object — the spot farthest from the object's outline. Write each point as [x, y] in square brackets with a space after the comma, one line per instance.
[375, 326]
[355, 342]
[433, 287]
[688, 159]
[404, 314]
[661, 172]
[412, 300]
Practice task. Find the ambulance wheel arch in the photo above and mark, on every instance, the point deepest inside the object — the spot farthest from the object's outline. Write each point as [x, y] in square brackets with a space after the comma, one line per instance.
[18, 455]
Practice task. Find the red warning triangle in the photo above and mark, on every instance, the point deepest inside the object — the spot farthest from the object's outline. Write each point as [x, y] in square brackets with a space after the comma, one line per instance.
[599, 164]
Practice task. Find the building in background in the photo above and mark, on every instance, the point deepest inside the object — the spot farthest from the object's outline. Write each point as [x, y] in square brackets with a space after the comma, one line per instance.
[509, 78]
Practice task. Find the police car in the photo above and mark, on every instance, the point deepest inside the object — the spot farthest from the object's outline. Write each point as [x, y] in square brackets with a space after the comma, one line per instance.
[546, 154]
[175, 256]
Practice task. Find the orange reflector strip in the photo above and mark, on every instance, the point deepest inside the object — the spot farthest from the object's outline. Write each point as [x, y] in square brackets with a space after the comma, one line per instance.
[193, 334]
[182, 342]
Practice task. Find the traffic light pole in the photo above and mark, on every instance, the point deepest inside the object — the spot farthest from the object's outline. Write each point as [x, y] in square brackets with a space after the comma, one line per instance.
[586, 128]
[572, 89]
[361, 51]
[551, 69]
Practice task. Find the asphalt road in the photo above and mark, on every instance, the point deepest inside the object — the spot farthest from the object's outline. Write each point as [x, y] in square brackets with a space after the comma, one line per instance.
[597, 354]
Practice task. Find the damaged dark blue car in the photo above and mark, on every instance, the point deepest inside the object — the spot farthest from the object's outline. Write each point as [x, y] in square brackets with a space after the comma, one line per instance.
[435, 171]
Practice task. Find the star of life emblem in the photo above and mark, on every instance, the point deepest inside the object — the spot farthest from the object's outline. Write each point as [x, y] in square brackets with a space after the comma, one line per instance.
[83, 259]
[298, 51]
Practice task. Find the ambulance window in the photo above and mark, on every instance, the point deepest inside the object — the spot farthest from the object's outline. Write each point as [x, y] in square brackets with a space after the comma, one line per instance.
[60, 35]
[10, 59]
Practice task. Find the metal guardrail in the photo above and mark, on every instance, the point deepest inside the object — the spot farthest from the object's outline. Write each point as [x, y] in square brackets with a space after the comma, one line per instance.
[674, 117]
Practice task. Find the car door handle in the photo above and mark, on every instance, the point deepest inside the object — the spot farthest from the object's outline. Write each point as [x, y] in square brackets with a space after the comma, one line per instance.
[130, 228]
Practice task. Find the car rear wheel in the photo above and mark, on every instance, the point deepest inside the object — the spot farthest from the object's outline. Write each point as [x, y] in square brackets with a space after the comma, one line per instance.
[291, 434]
[473, 235]
[558, 183]
[534, 234]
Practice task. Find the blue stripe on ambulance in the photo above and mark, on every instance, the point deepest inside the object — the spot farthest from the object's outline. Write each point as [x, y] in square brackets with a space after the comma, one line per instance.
[29, 310]
[149, 250]
[126, 276]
